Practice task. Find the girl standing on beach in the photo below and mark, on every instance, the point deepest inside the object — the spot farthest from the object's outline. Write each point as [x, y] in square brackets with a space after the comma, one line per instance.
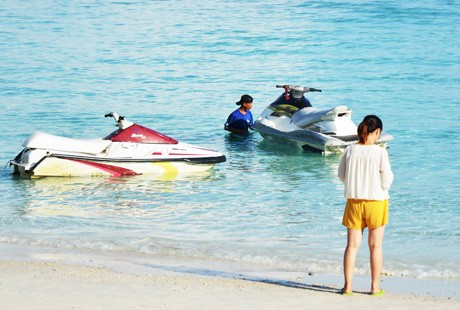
[366, 173]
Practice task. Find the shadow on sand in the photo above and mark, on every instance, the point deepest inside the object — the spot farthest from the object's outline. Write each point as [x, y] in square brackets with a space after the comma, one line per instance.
[250, 278]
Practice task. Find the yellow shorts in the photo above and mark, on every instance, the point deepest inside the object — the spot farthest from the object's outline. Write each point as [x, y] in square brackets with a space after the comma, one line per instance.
[360, 213]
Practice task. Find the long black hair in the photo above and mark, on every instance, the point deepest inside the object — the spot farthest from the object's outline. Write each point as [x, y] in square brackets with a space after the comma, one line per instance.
[369, 124]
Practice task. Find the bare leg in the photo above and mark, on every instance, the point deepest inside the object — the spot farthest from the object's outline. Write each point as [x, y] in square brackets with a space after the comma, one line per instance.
[376, 254]
[354, 238]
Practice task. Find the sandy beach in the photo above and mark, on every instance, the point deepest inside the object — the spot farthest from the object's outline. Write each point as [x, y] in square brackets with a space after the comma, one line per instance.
[50, 285]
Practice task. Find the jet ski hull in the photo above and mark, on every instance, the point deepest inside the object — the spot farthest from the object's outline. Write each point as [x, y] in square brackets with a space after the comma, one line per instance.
[313, 141]
[61, 165]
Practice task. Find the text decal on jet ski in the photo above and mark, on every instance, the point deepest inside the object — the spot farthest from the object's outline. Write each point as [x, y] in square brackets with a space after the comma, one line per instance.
[135, 135]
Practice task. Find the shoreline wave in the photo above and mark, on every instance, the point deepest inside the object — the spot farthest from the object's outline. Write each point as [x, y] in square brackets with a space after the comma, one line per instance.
[230, 256]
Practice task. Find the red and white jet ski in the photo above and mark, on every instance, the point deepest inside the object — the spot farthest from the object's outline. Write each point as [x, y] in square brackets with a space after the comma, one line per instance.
[130, 150]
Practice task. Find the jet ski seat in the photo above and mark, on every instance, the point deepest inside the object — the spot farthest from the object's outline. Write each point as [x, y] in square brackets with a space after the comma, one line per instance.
[307, 116]
[41, 140]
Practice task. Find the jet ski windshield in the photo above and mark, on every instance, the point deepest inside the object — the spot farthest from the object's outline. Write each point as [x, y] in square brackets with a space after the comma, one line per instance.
[299, 103]
[289, 106]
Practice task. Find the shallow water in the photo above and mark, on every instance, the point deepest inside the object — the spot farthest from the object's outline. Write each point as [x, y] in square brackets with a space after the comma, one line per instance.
[178, 67]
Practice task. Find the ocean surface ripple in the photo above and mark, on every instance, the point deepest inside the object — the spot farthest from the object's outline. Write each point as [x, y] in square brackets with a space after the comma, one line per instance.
[179, 67]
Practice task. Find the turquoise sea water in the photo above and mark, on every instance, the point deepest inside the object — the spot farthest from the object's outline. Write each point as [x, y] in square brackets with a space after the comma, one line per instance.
[179, 67]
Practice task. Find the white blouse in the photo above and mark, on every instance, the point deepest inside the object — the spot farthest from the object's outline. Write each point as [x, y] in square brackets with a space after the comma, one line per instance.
[366, 172]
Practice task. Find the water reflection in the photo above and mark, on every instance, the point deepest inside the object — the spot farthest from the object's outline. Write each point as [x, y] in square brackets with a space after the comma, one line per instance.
[287, 159]
[241, 143]
[277, 174]
[93, 197]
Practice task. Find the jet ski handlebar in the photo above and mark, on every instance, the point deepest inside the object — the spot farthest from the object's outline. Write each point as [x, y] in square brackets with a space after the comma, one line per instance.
[115, 116]
[120, 121]
[299, 88]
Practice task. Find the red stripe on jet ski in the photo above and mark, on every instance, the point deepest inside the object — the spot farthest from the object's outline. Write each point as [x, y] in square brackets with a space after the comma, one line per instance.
[114, 170]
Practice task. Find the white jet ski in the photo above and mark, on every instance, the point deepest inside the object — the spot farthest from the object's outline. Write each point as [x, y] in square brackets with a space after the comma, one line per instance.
[292, 118]
[130, 150]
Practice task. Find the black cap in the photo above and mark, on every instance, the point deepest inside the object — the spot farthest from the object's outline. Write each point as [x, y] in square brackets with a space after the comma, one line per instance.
[244, 99]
